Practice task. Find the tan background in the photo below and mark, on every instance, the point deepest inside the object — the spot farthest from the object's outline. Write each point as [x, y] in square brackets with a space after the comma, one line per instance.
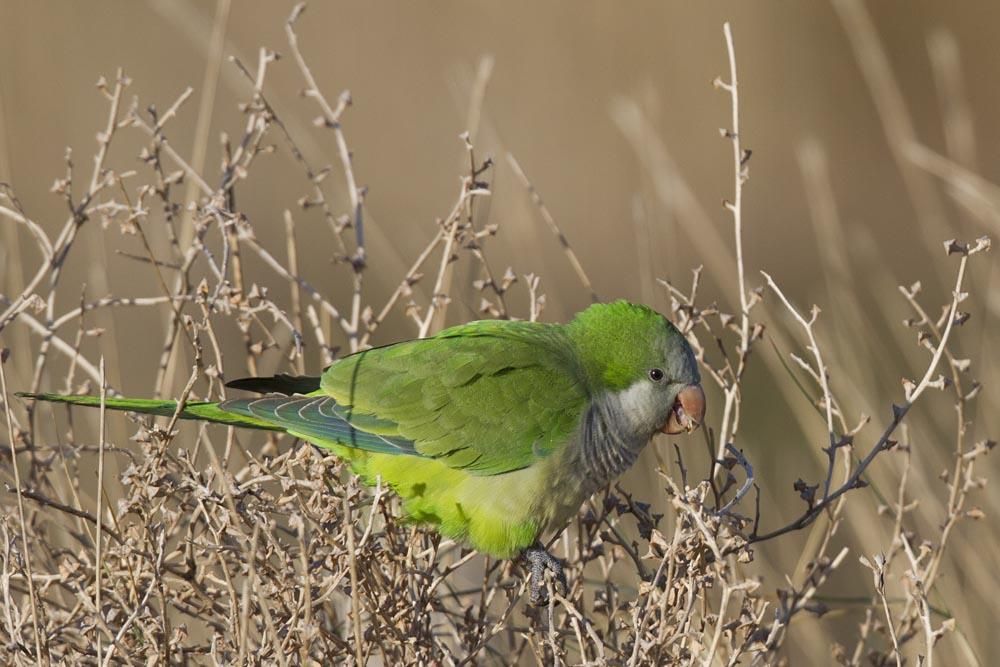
[561, 69]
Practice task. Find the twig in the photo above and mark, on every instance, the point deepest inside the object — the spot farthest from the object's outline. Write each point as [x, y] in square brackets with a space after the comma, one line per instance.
[355, 593]
[730, 413]
[550, 220]
[821, 374]
[102, 435]
[884, 442]
[25, 545]
[748, 483]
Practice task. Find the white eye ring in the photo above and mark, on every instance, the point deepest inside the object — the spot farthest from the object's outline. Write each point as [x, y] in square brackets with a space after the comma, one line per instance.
[656, 375]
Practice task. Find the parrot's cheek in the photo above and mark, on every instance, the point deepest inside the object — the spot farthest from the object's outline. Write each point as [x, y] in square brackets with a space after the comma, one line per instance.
[688, 411]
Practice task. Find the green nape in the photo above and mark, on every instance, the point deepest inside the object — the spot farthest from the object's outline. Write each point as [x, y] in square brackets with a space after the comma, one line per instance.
[201, 410]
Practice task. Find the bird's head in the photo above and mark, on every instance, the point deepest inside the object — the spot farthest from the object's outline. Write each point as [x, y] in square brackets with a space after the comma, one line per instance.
[639, 358]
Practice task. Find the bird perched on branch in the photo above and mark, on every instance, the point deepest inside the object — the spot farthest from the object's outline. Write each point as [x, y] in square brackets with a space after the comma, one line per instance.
[494, 432]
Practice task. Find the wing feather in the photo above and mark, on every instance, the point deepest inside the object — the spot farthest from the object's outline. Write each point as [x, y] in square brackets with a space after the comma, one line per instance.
[319, 419]
[488, 397]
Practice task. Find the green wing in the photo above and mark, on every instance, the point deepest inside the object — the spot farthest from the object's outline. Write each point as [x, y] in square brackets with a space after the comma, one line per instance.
[489, 397]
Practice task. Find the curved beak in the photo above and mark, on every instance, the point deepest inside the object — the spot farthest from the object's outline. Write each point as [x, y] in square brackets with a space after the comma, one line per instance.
[688, 411]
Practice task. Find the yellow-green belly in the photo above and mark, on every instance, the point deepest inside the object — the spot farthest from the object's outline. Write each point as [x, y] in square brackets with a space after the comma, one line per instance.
[499, 515]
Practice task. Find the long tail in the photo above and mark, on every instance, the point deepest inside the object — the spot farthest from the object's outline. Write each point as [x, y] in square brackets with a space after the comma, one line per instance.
[201, 410]
[316, 418]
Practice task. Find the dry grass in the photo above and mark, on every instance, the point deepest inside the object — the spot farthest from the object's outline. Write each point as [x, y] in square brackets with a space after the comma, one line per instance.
[191, 544]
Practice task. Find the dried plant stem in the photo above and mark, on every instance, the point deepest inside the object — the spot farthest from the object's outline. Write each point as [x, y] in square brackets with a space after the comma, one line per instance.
[295, 290]
[967, 185]
[403, 287]
[713, 645]
[62, 346]
[451, 223]
[355, 583]
[248, 584]
[820, 373]
[99, 539]
[37, 233]
[899, 412]
[331, 119]
[64, 241]
[26, 553]
[266, 612]
[209, 89]
[878, 567]
[437, 305]
[311, 291]
[957, 116]
[553, 226]
[139, 608]
[730, 410]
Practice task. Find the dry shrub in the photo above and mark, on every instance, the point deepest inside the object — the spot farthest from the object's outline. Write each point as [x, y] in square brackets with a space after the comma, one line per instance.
[199, 547]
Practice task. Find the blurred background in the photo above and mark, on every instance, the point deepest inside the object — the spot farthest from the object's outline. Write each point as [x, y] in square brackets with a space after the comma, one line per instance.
[610, 111]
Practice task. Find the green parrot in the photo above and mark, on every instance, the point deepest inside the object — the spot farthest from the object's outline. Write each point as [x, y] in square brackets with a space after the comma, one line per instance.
[494, 432]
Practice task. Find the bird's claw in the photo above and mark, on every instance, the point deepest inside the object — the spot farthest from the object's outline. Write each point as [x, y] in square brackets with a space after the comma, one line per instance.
[539, 562]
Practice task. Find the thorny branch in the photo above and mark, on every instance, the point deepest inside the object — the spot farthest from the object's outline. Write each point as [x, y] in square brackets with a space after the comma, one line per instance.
[899, 412]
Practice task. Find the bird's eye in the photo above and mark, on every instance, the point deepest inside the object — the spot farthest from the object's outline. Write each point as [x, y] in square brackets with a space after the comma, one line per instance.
[655, 374]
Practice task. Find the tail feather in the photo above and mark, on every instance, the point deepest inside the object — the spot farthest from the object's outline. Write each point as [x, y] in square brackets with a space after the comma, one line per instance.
[201, 410]
[278, 384]
[318, 419]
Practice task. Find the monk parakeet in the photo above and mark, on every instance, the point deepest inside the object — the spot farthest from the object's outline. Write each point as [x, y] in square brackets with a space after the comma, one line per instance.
[494, 432]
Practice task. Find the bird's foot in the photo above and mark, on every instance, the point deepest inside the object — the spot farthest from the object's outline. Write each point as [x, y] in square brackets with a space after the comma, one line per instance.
[539, 562]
